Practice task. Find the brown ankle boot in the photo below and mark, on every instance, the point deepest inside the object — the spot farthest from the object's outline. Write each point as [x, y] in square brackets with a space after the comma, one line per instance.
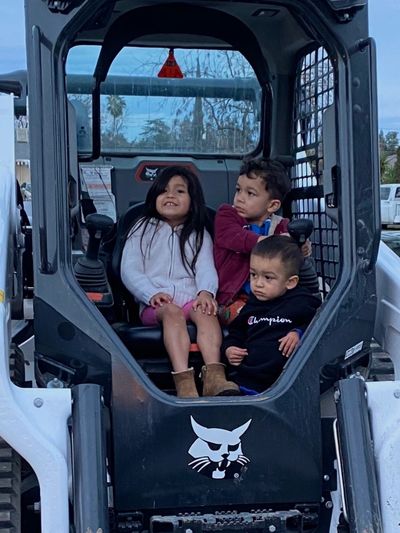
[215, 383]
[184, 384]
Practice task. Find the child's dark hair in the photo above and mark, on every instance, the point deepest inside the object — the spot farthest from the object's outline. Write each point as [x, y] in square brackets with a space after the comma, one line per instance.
[283, 247]
[197, 216]
[272, 172]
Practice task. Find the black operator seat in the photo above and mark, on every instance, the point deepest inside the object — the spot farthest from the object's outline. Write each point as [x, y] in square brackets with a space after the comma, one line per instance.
[142, 341]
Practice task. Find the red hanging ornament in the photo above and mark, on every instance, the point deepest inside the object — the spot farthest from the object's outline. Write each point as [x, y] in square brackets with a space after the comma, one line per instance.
[170, 69]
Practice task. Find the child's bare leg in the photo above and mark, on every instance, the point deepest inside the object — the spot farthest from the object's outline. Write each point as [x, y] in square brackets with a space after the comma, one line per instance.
[175, 335]
[209, 335]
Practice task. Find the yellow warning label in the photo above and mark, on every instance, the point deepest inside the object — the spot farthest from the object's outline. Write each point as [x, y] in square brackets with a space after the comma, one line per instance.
[2, 296]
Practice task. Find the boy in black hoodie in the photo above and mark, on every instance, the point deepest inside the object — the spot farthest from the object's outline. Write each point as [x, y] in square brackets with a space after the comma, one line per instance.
[269, 327]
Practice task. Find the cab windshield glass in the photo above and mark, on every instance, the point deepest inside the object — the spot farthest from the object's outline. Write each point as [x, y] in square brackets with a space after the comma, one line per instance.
[215, 108]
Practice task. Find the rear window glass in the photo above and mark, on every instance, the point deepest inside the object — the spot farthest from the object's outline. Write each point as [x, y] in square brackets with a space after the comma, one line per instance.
[214, 109]
[385, 191]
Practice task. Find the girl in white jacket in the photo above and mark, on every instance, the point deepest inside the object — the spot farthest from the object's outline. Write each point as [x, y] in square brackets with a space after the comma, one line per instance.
[167, 264]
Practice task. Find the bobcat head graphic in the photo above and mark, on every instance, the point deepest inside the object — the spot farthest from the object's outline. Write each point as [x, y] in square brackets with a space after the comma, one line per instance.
[217, 452]
[151, 173]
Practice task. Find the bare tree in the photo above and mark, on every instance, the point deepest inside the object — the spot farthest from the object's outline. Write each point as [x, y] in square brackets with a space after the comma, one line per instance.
[212, 123]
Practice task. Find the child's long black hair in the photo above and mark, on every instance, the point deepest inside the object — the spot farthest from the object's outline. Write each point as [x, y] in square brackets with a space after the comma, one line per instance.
[196, 218]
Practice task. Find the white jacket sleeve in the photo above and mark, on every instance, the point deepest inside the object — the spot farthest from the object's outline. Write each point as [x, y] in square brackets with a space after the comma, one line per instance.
[206, 274]
[132, 270]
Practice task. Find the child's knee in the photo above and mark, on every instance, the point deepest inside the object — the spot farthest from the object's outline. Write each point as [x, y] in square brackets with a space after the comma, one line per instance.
[171, 311]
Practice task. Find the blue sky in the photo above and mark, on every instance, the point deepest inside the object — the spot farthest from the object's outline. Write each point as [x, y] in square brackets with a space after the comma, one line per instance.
[384, 27]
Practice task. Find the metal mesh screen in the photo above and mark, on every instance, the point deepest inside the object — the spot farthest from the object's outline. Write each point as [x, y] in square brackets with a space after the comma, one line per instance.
[314, 92]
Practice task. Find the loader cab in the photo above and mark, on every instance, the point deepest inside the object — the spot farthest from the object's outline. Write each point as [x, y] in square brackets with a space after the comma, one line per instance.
[291, 80]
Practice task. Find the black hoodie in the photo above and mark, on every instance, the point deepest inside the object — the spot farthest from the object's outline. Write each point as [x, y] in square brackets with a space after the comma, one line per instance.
[259, 326]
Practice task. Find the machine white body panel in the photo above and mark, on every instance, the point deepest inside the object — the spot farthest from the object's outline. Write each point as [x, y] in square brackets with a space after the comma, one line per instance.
[32, 421]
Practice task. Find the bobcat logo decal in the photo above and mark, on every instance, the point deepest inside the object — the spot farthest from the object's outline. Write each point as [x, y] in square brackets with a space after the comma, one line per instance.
[217, 452]
[151, 173]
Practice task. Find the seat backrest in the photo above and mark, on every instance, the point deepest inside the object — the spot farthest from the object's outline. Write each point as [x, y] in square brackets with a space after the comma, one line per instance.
[125, 223]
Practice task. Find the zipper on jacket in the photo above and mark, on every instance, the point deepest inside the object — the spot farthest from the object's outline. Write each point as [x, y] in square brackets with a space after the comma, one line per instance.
[172, 236]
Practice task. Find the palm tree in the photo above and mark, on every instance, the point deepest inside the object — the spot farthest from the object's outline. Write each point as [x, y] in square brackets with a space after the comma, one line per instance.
[116, 106]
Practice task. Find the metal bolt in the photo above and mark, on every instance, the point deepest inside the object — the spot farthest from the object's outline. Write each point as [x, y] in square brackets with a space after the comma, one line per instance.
[272, 529]
[329, 505]
[38, 402]
[396, 393]
[55, 383]
[326, 477]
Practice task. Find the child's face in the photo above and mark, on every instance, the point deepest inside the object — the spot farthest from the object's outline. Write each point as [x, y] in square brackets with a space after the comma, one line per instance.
[252, 201]
[174, 203]
[268, 278]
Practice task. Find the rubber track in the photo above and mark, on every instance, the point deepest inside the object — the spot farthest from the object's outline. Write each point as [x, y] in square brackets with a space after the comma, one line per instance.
[10, 486]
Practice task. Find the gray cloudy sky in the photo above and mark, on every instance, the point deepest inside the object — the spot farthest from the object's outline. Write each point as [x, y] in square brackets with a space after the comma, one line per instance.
[384, 27]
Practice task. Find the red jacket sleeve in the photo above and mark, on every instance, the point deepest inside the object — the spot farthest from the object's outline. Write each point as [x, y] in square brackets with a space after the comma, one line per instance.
[230, 232]
[282, 227]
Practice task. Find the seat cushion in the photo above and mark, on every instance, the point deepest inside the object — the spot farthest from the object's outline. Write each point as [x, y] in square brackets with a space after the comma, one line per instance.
[146, 341]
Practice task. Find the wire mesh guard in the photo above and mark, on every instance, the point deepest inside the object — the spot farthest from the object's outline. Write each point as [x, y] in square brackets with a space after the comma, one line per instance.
[314, 93]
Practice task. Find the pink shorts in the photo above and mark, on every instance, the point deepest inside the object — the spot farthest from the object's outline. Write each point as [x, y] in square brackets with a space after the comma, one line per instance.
[149, 318]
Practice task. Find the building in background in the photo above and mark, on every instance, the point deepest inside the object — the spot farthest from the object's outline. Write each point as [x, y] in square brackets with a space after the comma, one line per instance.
[22, 162]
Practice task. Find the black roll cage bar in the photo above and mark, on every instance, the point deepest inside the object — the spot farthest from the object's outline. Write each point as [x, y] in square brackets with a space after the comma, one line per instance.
[235, 88]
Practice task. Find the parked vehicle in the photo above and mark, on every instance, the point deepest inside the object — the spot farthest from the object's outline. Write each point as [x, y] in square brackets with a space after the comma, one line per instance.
[390, 204]
[106, 446]
[392, 239]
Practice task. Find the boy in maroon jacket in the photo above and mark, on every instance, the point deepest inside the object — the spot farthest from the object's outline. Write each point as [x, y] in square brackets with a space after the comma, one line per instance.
[261, 187]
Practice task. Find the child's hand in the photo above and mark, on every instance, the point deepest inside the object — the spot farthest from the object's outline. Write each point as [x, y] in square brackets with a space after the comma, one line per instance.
[235, 355]
[289, 343]
[306, 249]
[159, 299]
[206, 302]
